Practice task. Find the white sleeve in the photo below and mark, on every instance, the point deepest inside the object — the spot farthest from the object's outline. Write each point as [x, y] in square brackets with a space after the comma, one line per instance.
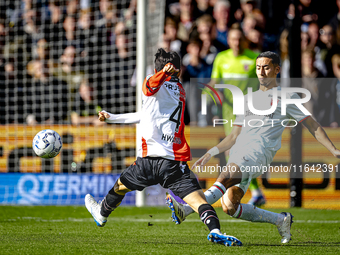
[126, 118]
[294, 112]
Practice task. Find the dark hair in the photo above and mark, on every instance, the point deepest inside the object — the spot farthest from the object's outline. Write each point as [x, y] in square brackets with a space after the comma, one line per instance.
[162, 58]
[272, 55]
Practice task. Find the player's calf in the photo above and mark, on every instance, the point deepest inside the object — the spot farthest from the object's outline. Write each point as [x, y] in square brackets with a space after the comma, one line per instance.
[209, 217]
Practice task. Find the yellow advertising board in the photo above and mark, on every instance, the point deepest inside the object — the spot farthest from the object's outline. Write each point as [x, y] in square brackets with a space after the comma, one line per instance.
[321, 190]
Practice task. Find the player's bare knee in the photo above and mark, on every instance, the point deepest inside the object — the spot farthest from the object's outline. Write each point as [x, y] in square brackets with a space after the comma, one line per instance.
[228, 206]
[120, 188]
[231, 200]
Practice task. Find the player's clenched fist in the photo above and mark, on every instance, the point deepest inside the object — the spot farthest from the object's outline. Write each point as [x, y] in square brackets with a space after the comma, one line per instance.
[170, 68]
[102, 116]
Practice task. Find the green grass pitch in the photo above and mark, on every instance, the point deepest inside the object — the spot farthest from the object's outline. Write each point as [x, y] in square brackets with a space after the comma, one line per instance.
[149, 230]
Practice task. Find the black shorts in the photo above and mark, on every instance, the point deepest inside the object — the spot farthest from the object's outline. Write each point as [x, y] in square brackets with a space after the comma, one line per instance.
[171, 174]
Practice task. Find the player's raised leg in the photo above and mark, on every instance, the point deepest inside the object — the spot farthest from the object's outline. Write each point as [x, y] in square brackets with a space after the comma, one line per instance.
[231, 204]
[100, 211]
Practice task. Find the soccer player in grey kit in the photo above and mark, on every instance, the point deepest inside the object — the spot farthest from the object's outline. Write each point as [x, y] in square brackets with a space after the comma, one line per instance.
[252, 148]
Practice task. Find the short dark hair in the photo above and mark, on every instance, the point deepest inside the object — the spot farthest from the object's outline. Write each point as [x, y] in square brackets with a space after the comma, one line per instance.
[272, 55]
[162, 58]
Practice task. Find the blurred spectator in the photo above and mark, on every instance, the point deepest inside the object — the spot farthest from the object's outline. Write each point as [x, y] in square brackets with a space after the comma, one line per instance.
[43, 50]
[88, 39]
[234, 66]
[2, 39]
[85, 109]
[306, 10]
[170, 34]
[12, 94]
[195, 71]
[322, 104]
[245, 9]
[274, 14]
[53, 26]
[47, 98]
[185, 19]
[308, 69]
[335, 21]
[314, 43]
[305, 41]
[328, 48]
[72, 7]
[285, 62]
[249, 23]
[130, 14]
[70, 36]
[209, 48]
[117, 96]
[108, 14]
[255, 38]
[220, 28]
[309, 78]
[68, 70]
[313, 32]
[336, 71]
[31, 23]
[203, 8]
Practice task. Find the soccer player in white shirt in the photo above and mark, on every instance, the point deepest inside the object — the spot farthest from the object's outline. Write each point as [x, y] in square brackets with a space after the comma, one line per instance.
[253, 147]
[164, 151]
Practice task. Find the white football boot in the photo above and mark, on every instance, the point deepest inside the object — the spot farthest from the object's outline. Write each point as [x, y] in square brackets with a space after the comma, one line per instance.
[94, 208]
[284, 228]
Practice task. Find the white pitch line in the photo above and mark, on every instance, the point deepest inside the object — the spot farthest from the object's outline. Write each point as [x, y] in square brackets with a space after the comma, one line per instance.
[156, 220]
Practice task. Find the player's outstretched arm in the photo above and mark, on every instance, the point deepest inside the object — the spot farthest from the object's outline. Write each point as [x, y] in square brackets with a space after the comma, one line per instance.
[224, 145]
[320, 135]
[126, 118]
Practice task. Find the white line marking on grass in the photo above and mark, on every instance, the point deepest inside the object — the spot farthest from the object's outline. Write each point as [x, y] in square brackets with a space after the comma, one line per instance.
[154, 220]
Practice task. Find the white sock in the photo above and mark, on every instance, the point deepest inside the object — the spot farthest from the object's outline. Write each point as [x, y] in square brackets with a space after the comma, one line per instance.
[252, 213]
[256, 193]
[214, 193]
[216, 230]
[187, 210]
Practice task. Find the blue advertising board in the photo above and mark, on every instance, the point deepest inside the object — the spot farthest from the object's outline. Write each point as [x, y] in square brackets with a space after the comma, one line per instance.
[56, 189]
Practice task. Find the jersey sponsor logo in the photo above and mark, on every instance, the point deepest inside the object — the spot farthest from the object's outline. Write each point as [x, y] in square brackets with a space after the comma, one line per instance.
[176, 89]
[171, 138]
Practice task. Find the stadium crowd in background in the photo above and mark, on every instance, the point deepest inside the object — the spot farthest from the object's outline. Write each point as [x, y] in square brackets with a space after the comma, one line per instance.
[73, 40]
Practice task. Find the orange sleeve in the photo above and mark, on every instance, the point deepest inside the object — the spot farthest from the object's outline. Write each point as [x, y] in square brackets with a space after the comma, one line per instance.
[153, 83]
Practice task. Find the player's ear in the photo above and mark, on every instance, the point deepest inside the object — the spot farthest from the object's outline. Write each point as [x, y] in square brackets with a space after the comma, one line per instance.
[277, 69]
